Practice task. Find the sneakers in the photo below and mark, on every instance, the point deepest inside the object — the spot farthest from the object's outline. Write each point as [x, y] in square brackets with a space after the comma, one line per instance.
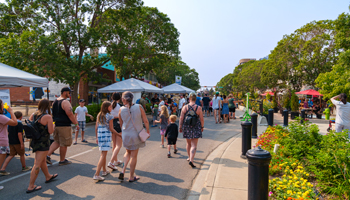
[119, 162]
[99, 178]
[105, 173]
[4, 173]
[26, 168]
[169, 155]
[175, 151]
[112, 166]
[162, 146]
[154, 126]
[48, 160]
[75, 143]
[65, 162]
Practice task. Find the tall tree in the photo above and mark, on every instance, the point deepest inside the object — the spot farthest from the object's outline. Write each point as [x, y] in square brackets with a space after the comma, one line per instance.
[54, 38]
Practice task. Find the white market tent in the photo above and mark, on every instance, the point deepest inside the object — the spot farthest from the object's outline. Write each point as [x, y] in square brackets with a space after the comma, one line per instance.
[132, 85]
[13, 77]
[176, 88]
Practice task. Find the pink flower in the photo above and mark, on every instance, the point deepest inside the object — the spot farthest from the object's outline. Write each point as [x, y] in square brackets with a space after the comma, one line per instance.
[270, 193]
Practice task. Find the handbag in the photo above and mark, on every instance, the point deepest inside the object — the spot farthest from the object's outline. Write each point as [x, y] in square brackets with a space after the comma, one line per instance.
[143, 135]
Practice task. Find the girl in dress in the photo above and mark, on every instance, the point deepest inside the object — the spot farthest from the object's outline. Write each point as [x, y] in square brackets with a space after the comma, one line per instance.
[104, 129]
[164, 119]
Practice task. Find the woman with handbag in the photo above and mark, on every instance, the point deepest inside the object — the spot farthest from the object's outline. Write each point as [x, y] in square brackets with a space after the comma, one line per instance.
[116, 137]
[41, 146]
[191, 131]
[133, 133]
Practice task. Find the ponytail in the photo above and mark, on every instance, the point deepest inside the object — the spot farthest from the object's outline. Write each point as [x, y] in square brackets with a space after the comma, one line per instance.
[115, 97]
[343, 98]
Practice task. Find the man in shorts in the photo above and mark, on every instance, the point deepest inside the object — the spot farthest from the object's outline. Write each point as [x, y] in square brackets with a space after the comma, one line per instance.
[63, 117]
[206, 101]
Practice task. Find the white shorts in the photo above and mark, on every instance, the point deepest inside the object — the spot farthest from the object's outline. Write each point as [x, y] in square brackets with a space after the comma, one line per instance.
[340, 128]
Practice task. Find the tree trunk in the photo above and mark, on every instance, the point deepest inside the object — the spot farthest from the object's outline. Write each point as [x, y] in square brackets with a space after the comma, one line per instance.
[74, 94]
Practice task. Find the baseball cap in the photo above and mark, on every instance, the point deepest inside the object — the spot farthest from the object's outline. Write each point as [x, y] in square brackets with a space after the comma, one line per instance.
[65, 89]
[155, 105]
[81, 100]
[217, 93]
[144, 95]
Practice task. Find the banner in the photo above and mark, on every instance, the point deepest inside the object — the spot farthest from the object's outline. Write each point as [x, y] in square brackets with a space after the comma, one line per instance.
[178, 79]
[5, 96]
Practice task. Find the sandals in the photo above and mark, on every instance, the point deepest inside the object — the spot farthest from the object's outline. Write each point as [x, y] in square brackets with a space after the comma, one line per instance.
[135, 179]
[51, 179]
[84, 141]
[121, 176]
[33, 190]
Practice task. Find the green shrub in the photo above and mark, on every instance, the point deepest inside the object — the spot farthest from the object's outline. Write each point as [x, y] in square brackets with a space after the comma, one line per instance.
[286, 101]
[148, 108]
[294, 102]
[268, 96]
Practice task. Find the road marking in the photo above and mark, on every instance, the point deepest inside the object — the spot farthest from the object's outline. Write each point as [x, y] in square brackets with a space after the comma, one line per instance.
[28, 172]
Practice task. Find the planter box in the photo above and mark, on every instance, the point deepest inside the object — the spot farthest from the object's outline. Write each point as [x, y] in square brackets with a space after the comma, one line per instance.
[293, 115]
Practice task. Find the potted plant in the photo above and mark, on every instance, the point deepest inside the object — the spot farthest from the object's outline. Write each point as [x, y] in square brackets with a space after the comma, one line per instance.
[268, 96]
[274, 102]
[286, 101]
[294, 106]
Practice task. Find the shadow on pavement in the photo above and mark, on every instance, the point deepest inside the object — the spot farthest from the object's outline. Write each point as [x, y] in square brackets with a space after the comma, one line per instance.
[160, 177]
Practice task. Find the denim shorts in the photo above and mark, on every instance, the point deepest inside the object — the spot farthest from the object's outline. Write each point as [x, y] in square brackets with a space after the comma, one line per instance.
[4, 150]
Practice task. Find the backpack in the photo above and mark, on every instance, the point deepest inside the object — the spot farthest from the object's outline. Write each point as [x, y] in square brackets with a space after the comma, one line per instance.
[138, 101]
[31, 129]
[191, 116]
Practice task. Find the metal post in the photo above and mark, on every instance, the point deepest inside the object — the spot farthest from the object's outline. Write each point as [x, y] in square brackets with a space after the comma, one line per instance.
[254, 117]
[47, 91]
[285, 118]
[261, 107]
[270, 120]
[246, 137]
[258, 174]
[302, 116]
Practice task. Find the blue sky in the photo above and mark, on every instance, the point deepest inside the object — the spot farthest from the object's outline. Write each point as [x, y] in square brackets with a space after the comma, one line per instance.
[215, 35]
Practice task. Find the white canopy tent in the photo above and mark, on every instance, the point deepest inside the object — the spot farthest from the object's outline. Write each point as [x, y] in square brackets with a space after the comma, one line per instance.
[176, 88]
[132, 85]
[13, 77]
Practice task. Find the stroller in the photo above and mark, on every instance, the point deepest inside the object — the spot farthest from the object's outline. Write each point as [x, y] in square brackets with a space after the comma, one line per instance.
[330, 125]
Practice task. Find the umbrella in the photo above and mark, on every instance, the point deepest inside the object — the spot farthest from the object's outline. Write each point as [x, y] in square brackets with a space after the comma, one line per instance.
[309, 92]
[132, 85]
[176, 88]
[271, 93]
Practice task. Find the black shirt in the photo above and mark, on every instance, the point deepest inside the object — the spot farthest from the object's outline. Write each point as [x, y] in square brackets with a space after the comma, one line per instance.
[169, 100]
[59, 115]
[206, 101]
[13, 133]
[172, 131]
[155, 100]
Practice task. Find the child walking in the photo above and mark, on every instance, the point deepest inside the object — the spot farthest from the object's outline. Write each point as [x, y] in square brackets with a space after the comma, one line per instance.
[155, 114]
[164, 118]
[171, 133]
[16, 142]
[104, 129]
[80, 113]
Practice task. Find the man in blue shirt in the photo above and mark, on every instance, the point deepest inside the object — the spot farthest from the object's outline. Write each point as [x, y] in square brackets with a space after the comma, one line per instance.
[310, 103]
[199, 100]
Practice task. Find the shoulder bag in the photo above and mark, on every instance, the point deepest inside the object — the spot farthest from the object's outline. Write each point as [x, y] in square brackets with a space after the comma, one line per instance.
[143, 135]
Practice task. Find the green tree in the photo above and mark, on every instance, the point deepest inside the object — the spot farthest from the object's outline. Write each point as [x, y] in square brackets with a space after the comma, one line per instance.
[139, 39]
[337, 81]
[225, 85]
[294, 102]
[54, 38]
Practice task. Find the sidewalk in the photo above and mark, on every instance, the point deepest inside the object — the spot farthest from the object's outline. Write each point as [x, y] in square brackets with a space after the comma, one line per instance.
[227, 177]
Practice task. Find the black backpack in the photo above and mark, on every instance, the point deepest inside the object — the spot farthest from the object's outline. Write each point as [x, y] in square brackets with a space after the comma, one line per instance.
[31, 129]
[191, 116]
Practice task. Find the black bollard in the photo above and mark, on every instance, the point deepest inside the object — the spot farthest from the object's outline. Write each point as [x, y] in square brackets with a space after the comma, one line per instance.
[261, 107]
[258, 174]
[285, 118]
[246, 137]
[270, 120]
[302, 116]
[254, 117]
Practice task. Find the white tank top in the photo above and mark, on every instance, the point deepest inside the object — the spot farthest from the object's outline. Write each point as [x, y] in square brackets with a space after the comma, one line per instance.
[216, 102]
[115, 111]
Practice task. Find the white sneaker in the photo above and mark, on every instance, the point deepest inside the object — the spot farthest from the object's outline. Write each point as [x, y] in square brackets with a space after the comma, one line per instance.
[99, 178]
[112, 166]
[105, 173]
[119, 162]
[1, 187]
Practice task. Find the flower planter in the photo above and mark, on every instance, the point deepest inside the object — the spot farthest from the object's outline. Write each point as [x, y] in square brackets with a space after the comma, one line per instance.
[293, 115]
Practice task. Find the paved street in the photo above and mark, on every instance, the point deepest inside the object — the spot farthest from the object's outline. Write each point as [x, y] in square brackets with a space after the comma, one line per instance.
[161, 177]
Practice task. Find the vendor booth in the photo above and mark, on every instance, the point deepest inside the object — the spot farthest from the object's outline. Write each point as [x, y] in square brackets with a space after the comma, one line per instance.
[133, 85]
[176, 88]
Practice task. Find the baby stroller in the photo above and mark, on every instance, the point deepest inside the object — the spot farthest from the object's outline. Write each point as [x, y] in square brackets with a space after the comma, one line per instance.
[330, 125]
